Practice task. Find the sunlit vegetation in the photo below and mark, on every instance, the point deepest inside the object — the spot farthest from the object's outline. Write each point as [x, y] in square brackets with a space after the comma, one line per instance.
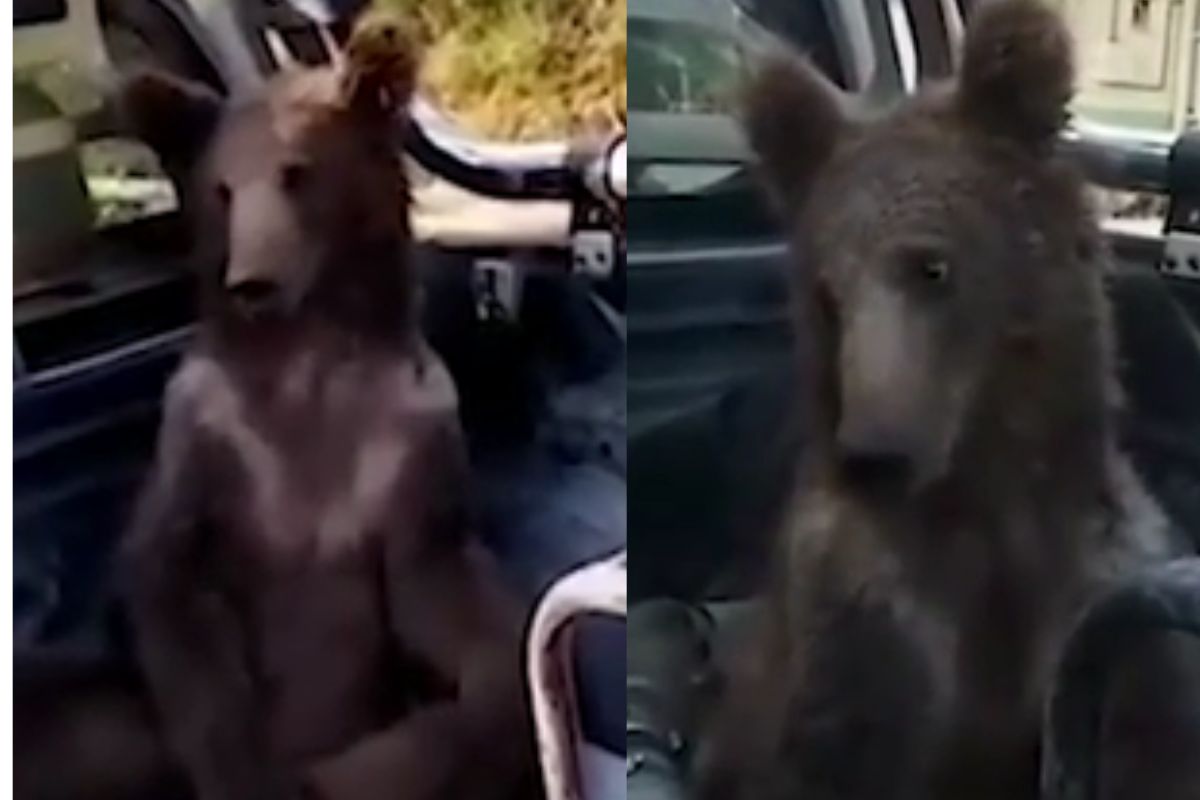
[523, 69]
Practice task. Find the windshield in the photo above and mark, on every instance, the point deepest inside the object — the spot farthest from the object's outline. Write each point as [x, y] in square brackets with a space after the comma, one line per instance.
[527, 71]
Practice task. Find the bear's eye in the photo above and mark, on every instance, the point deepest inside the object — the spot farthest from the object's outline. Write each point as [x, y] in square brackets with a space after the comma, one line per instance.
[294, 176]
[935, 270]
[223, 192]
[927, 267]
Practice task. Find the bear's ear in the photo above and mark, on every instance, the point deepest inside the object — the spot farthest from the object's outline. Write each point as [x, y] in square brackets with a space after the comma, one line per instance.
[379, 71]
[175, 117]
[793, 118]
[1017, 73]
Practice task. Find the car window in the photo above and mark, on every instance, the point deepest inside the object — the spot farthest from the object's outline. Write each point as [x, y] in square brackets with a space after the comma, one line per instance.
[81, 287]
[125, 181]
[1137, 62]
[681, 68]
[1137, 81]
[1137, 88]
[688, 61]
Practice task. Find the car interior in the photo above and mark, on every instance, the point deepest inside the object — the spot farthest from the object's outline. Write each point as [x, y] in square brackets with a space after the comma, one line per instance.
[717, 423]
[538, 348]
[529, 324]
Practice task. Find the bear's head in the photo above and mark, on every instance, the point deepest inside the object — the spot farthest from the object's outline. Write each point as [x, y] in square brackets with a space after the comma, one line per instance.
[947, 261]
[297, 194]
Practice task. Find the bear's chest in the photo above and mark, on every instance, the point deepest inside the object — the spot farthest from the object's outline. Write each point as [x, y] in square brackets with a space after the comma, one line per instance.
[990, 633]
[313, 472]
[330, 491]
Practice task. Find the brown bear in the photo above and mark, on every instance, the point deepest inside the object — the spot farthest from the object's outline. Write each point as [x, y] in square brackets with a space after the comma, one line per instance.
[312, 612]
[962, 497]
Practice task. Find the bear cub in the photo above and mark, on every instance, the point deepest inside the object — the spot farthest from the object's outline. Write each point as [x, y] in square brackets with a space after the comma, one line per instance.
[962, 497]
[312, 611]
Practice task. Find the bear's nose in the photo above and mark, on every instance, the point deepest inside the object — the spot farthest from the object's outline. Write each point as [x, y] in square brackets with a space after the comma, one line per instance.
[873, 461]
[875, 469]
[253, 296]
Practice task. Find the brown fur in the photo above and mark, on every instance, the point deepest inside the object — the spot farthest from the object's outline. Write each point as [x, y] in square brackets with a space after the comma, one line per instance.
[963, 497]
[312, 612]
[84, 729]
